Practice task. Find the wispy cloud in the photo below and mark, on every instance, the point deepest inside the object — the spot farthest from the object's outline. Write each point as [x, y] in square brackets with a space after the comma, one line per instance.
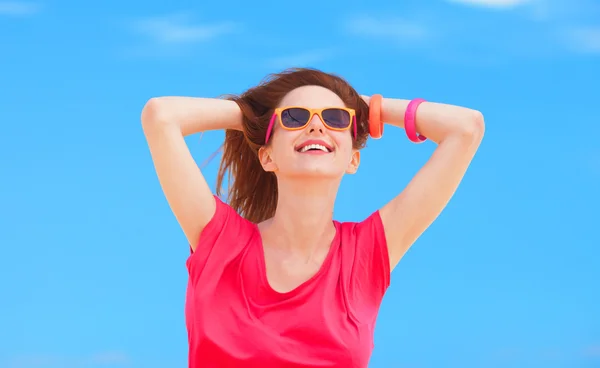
[572, 24]
[110, 357]
[497, 4]
[180, 29]
[18, 8]
[584, 39]
[521, 29]
[398, 29]
[174, 35]
[303, 59]
[592, 351]
[102, 359]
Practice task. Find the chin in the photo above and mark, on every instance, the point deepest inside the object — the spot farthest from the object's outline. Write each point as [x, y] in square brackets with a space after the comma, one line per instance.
[316, 172]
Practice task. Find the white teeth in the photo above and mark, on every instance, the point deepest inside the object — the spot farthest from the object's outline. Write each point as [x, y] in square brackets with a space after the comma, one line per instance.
[314, 146]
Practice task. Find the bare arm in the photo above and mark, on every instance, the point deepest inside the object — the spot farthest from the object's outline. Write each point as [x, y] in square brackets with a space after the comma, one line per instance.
[166, 120]
[458, 132]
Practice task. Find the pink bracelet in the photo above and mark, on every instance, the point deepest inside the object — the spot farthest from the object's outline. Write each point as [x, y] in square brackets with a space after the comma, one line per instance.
[409, 121]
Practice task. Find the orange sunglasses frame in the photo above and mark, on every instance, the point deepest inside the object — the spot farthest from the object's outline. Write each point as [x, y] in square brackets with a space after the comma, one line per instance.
[319, 112]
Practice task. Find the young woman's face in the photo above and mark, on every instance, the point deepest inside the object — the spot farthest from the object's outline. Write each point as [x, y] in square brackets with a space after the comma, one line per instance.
[285, 155]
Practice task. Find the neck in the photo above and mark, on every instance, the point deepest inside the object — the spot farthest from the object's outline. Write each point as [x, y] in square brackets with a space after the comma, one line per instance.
[304, 215]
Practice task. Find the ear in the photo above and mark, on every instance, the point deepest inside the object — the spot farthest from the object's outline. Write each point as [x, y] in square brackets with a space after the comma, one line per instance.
[354, 162]
[264, 156]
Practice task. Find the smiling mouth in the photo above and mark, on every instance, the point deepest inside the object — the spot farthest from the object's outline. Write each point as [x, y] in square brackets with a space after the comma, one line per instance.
[314, 148]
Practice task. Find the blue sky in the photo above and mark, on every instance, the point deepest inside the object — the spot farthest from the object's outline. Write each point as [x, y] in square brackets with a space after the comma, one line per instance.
[92, 272]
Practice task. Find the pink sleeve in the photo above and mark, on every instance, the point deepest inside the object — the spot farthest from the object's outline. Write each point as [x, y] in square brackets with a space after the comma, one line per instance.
[370, 275]
[224, 236]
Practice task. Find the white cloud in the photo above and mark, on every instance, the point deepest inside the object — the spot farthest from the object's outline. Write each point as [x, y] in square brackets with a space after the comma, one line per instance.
[584, 39]
[179, 29]
[110, 357]
[102, 359]
[18, 8]
[592, 351]
[498, 4]
[303, 59]
[524, 29]
[396, 28]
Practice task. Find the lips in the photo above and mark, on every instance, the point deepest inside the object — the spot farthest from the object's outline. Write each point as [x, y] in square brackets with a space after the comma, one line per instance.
[314, 145]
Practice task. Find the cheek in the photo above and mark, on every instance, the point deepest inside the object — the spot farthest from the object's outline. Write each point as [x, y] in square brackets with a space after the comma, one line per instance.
[282, 145]
[344, 142]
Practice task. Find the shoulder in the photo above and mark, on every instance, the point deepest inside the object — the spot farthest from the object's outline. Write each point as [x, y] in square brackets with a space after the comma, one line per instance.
[224, 236]
[369, 230]
[225, 217]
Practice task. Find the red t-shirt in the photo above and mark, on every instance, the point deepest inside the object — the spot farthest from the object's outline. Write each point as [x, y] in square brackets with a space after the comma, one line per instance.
[235, 319]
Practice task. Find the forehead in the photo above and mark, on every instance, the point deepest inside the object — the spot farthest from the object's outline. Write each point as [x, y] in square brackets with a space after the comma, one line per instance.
[312, 96]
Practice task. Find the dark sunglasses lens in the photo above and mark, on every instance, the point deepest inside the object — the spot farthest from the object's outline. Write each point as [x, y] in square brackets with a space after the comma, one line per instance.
[295, 117]
[336, 118]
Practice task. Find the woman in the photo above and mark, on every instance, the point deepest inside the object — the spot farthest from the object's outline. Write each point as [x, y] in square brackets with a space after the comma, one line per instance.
[274, 281]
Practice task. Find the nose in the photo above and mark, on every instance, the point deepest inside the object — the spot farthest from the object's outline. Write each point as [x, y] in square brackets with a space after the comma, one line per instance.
[316, 125]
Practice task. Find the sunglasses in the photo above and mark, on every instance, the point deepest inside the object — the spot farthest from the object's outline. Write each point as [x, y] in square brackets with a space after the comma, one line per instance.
[296, 118]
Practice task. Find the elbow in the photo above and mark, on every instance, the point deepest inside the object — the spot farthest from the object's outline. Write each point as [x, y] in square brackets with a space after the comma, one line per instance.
[152, 113]
[473, 127]
[467, 130]
[478, 124]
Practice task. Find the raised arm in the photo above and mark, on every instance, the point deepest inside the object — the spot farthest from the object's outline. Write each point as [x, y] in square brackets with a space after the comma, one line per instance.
[166, 120]
[458, 132]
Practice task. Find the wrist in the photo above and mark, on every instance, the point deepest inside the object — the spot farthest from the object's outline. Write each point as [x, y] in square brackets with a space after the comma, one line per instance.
[235, 117]
[393, 111]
